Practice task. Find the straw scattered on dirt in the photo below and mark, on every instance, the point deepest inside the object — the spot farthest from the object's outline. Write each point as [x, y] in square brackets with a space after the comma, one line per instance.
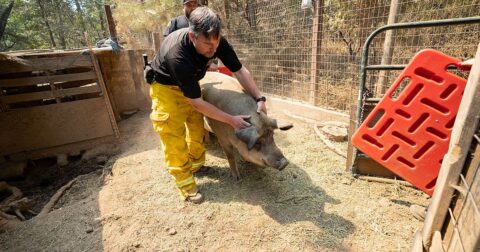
[131, 203]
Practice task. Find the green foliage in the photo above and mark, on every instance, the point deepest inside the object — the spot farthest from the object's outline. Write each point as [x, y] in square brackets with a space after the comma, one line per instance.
[60, 24]
[19, 30]
[42, 24]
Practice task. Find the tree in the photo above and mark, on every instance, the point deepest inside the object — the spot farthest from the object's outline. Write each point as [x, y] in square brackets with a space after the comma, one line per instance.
[4, 14]
[43, 24]
[47, 24]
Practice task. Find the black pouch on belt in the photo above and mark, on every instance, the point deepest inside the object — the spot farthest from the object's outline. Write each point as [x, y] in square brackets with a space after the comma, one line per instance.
[149, 74]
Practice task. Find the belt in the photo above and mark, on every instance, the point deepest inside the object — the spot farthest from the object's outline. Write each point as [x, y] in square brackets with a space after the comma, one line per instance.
[158, 79]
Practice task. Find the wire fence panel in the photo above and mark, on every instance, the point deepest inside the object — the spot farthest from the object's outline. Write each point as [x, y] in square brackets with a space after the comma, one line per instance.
[292, 57]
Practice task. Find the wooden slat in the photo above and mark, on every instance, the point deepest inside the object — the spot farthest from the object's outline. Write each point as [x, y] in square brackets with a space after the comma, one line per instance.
[142, 89]
[59, 93]
[61, 149]
[106, 99]
[417, 245]
[72, 84]
[471, 174]
[456, 245]
[53, 89]
[44, 63]
[17, 82]
[465, 126]
[368, 166]
[437, 243]
[105, 61]
[53, 125]
[351, 130]
[120, 80]
[469, 225]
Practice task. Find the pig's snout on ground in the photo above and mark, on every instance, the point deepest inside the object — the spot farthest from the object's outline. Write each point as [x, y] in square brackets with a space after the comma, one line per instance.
[282, 164]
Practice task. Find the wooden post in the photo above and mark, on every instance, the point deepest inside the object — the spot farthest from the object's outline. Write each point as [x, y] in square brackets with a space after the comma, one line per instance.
[388, 47]
[156, 41]
[465, 126]
[54, 89]
[316, 46]
[3, 106]
[111, 23]
[103, 87]
[351, 129]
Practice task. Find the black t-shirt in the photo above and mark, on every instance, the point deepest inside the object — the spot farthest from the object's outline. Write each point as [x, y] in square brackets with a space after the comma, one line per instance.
[175, 24]
[178, 63]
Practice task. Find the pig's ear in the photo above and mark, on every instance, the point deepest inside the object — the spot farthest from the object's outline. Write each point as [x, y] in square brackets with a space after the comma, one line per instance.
[276, 124]
[248, 135]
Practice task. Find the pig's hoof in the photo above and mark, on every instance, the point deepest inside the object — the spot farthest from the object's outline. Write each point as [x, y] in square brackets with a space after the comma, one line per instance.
[236, 178]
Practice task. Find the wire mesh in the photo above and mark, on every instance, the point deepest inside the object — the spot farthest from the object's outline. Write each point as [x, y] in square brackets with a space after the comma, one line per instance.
[275, 40]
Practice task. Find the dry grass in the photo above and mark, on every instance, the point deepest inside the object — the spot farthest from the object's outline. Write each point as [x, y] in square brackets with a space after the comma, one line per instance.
[312, 205]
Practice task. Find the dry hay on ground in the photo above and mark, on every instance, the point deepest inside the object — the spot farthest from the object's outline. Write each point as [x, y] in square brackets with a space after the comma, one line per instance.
[311, 205]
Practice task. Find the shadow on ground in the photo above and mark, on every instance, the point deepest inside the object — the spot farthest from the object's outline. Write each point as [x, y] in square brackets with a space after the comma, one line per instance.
[287, 196]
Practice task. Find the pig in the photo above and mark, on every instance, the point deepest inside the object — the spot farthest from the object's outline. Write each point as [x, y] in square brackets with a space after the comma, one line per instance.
[255, 143]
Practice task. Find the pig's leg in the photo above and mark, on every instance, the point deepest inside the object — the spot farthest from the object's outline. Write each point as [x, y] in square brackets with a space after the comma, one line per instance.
[229, 152]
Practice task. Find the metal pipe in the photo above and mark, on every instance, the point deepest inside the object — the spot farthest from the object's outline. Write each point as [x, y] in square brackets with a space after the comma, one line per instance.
[385, 67]
[363, 70]
[432, 23]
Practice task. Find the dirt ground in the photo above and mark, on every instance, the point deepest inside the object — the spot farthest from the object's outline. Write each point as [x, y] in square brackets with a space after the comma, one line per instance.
[130, 203]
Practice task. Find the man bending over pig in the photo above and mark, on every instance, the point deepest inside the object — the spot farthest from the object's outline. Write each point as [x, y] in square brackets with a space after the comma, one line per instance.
[177, 105]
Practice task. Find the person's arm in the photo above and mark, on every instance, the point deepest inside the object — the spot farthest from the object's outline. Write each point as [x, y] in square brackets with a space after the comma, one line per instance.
[181, 70]
[230, 60]
[237, 122]
[246, 80]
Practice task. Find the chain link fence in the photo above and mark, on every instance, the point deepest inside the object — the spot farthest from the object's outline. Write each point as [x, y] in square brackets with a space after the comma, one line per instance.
[313, 55]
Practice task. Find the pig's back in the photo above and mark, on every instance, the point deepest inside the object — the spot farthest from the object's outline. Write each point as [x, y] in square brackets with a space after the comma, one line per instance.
[225, 93]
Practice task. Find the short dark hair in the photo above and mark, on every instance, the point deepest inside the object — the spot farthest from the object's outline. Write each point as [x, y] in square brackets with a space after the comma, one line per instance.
[187, 1]
[204, 21]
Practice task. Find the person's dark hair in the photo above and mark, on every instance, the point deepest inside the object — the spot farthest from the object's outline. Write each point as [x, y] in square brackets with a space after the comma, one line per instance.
[204, 21]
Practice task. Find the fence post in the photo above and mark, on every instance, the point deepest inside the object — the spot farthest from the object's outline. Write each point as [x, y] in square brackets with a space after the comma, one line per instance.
[388, 47]
[464, 128]
[156, 41]
[316, 46]
[111, 23]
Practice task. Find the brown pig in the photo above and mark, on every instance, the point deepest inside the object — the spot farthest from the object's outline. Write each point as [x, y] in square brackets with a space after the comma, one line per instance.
[255, 143]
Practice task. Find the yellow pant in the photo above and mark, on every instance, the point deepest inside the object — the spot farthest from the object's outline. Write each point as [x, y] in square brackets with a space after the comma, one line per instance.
[181, 132]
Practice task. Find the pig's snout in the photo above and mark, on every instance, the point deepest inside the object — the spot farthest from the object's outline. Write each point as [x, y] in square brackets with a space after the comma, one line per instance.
[282, 163]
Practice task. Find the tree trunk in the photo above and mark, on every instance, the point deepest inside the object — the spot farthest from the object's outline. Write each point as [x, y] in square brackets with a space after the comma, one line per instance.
[102, 19]
[4, 14]
[60, 25]
[80, 15]
[45, 20]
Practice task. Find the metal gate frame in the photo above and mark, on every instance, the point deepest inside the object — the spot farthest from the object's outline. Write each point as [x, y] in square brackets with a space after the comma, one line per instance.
[362, 90]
